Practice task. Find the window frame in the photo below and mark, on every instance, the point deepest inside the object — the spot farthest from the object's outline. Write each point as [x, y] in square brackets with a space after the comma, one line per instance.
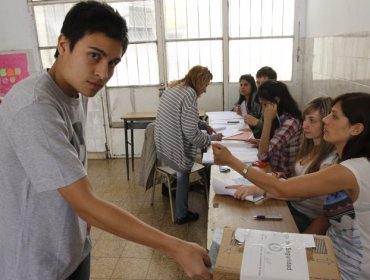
[162, 41]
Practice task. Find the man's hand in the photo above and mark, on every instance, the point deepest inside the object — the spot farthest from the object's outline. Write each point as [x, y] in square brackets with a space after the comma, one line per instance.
[194, 260]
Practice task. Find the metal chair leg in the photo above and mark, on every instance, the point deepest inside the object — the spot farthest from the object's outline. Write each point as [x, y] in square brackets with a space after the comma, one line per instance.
[155, 180]
[170, 196]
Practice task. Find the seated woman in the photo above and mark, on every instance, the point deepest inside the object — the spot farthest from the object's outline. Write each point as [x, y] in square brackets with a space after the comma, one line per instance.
[314, 154]
[347, 183]
[247, 105]
[178, 132]
[282, 126]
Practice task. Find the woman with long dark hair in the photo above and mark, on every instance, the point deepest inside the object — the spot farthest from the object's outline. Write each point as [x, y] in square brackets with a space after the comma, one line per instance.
[282, 126]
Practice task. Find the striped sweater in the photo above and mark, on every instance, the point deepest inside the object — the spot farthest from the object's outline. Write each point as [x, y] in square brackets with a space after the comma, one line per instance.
[178, 128]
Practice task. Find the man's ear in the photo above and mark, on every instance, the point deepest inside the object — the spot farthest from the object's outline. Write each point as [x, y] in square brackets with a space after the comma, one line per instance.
[357, 129]
[63, 44]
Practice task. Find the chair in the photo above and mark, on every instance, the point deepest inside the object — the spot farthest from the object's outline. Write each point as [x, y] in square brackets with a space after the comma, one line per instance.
[152, 171]
[169, 174]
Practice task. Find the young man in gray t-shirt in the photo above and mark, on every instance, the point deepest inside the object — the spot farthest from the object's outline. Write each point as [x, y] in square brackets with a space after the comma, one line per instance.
[46, 199]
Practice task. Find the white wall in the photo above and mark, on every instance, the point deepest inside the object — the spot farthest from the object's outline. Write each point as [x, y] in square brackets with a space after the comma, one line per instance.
[334, 17]
[336, 48]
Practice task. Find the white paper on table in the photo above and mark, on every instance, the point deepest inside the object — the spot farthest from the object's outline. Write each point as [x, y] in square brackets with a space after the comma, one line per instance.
[274, 255]
[230, 132]
[223, 115]
[219, 185]
[218, 128]
[242, 150]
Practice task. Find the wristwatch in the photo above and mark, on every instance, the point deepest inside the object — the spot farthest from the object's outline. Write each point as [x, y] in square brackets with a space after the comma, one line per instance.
[245, 169]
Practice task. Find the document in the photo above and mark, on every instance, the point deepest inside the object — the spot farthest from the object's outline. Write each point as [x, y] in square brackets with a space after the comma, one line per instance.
[219, 185]
[274, 255]
[223, 115]
[244, 151]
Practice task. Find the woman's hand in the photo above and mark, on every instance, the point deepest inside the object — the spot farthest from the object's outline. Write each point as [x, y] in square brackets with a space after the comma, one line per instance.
[250, 120]
[221, 154]
[254, 141]
[216, 137]
[243, 191]
[270, 111]
[210, 131]
[237, 109]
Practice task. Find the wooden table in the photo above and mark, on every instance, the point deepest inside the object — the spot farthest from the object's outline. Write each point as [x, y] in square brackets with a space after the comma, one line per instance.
[138, 120]
[134, 120]
[226, 211]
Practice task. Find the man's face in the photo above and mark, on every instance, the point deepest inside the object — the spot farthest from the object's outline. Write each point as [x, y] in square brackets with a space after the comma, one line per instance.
[89, 66]
[261, 80]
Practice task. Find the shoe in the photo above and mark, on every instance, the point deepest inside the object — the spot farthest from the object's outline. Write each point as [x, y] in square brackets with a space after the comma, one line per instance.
[190, 216]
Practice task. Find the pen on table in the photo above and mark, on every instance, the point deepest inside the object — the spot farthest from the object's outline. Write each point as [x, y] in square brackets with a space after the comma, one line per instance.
[264, 217]
[232, 121]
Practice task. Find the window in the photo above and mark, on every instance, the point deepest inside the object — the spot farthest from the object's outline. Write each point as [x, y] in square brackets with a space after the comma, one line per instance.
[193, 35]
[260, 34]
[140, 64]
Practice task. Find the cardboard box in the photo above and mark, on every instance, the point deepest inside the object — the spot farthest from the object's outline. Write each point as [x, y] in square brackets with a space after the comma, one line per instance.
[321, 260]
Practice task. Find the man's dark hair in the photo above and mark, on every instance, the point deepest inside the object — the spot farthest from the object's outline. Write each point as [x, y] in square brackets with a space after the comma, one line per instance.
[267, 71]
[90, 17]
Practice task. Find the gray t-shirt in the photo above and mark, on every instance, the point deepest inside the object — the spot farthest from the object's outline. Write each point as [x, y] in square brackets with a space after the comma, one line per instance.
[42, 149]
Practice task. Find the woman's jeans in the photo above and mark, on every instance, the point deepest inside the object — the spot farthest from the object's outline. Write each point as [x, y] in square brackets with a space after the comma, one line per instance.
[182, 190]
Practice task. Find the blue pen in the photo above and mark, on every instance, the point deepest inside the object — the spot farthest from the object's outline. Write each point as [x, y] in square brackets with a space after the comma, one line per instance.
[264, 217]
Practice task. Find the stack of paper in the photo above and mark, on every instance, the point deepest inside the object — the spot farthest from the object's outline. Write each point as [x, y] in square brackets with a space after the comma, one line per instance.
[219, 185]
[244, 151]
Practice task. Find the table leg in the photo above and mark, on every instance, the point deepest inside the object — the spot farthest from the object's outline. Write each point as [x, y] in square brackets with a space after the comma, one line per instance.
[132, 149]
[126, 149]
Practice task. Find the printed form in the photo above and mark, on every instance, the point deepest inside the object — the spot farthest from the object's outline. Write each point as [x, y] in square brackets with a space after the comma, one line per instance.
[274, 255]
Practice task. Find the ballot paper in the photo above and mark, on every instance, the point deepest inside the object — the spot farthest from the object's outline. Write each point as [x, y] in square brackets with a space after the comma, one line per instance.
[274, 255]
[244, 151]
[219, 185]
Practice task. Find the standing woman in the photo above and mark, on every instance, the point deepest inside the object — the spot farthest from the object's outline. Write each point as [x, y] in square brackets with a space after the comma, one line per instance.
[282, 127]
[347, 184]
[178, 132]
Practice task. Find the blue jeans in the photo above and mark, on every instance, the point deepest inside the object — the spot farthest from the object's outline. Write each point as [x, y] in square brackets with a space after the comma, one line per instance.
[182, 190]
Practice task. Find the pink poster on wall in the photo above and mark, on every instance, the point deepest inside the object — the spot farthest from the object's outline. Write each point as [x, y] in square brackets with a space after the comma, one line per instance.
[13, 68]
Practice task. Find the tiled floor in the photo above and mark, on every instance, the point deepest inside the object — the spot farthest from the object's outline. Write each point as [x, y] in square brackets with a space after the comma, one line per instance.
[115, 258]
